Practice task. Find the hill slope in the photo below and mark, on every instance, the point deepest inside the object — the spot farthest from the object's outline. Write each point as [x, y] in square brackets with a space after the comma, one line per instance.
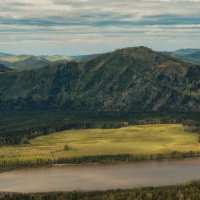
[127, 80]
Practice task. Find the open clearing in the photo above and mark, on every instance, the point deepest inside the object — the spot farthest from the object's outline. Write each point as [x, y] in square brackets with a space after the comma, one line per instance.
[144, 139]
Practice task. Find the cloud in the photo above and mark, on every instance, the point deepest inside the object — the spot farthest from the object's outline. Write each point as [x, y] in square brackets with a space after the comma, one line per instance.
[82, 21]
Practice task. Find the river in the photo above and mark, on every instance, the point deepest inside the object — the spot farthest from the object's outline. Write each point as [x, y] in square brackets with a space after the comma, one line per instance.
[100, 177]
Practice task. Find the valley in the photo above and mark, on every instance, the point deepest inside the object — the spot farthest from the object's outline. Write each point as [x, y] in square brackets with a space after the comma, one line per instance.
[100, 100]
[130, 109]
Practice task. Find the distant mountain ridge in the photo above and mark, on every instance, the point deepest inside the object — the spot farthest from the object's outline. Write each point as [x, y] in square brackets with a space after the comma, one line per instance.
[24, 62]
[185, 52]
[81, 58]
[28, 62]
[135, 79]
[2, 54]
[192, 55]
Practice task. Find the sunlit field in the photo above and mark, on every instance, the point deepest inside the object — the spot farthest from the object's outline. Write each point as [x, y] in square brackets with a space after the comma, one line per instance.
[145, 139]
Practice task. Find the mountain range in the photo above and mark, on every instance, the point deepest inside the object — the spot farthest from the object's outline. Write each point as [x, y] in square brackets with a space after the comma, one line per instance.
[27, 62]
[135, 79]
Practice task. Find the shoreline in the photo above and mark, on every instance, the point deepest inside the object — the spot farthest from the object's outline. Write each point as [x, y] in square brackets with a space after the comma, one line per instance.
[100, 163]
[185, 185]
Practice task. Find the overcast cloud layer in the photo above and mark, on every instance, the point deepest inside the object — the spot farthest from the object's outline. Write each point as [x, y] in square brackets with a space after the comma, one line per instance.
[91, 26]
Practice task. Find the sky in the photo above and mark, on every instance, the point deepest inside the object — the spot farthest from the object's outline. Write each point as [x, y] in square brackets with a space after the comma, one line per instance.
[78, 27]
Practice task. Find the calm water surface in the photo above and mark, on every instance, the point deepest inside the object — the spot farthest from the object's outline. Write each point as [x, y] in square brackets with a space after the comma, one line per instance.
[100, 177]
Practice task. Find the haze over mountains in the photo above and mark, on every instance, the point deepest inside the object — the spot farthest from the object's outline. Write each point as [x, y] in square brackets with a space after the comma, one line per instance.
[127, 80]
[190, 55]
[5, 54]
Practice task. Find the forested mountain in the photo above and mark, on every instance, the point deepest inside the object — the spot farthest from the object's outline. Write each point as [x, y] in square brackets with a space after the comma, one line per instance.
[128, 80]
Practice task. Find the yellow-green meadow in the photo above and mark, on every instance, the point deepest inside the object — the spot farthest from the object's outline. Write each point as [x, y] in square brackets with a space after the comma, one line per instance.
[133, 140]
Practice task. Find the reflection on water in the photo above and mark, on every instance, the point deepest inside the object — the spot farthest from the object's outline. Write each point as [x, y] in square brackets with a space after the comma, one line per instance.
[100, 177]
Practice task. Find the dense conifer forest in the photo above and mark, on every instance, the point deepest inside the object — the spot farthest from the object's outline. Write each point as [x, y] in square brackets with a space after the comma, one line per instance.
[19, 127]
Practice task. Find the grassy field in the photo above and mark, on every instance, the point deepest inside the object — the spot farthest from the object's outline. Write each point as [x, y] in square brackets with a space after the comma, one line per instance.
[134, 140]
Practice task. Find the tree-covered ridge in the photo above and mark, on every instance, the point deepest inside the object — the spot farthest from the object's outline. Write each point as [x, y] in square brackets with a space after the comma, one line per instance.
[129, 80]
[180, 192]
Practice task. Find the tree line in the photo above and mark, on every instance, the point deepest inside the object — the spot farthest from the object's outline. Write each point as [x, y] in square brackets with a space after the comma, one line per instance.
[18, 128]
[192, 126]
[6, 164]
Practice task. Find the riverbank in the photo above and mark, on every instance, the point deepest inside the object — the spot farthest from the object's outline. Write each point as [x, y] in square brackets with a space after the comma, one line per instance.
[190, 190]
[98, 160]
